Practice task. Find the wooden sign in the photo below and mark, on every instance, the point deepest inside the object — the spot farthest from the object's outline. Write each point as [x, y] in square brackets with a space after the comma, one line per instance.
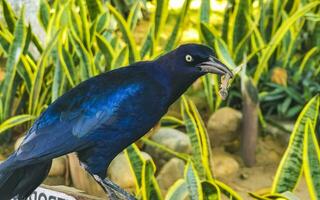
[46, 194]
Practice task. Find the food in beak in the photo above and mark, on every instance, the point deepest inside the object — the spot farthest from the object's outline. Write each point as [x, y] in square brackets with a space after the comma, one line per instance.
[224, 82]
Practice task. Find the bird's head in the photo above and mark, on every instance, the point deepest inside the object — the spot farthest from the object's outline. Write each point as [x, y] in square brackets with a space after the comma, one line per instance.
[198, 60]
[182, 66]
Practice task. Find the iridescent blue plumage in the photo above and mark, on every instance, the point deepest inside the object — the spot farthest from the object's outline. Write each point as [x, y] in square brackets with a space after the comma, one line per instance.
[102, 116]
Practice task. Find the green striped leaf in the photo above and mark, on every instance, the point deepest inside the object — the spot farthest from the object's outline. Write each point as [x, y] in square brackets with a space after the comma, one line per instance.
[150, 187]
[94, 8]
[198, 137]
[179, 190]
[311, 160]
[67, 65]
[106, 48]
[86, 62]
[137, 162]
[178, 27]
[160, 17]
[44, 14]
[133, 15]
[210, 190]
[206, 34]
[193, 182]
[15, 121]
[226, 190]
[277, 37]
[9, 15]
[127, 34]
[120, 59]
[205, 11]
[5, 41]
[39, 76]
[15, 51]
[290, 168]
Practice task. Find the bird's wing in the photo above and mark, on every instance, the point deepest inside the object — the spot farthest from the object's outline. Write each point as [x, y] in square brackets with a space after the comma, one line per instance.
[66, 124]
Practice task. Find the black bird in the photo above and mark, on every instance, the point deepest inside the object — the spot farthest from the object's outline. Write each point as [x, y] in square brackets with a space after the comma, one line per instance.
[102, 116]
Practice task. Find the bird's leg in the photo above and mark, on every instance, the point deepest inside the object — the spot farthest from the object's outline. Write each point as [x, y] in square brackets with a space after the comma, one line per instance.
[118, 189]
[113, 189]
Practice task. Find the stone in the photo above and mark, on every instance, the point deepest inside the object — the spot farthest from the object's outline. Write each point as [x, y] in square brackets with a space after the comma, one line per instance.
[223, 126]
[170, 173]
[120, 173]
[170, 138]
[224, 164]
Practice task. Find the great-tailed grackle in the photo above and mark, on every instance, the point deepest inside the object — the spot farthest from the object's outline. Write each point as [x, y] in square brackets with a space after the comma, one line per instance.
[102, 116]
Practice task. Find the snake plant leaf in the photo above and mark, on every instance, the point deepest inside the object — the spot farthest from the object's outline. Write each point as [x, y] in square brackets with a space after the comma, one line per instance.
[58, 82]
[160, 17]
[165, 149]
[9, 15]
[179, 190]
[148, 44]
[226, 190]
[178, 27]
[223, 53]
[5, 40]
[14, 121]
[290, 168]
[311, 160]
[106, 48]
[102, 22]
[209, 88]
[150, 187]
[134, 15]
[84, 24]
[39, 76]
[94, 8]
[171, 121]
[277, 37]
[306, 58]
[238, 25]
[120, 59]
[67, 64]
[205, 11]
[193, 182]
[193, 131]
[137, 162]
[86, 61]
[210, 190]
[44, 14]
[127, 34]
[206, 34]
[15, 51]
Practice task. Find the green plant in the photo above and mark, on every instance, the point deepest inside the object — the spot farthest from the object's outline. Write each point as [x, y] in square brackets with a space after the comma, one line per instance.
[198, 181]
[270, 34]
[302, 155]
[82, 40]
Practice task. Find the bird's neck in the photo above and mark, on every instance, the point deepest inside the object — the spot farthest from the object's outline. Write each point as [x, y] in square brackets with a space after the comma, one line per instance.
[175, 81]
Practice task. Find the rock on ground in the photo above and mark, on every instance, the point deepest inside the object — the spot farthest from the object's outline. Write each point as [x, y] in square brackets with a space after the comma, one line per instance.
[223, 126]
[223, 164]
[170, 173]
[120, 173]
[172, 139]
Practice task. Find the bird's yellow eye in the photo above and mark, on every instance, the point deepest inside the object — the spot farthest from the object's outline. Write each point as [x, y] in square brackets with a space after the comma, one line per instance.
[189, 58]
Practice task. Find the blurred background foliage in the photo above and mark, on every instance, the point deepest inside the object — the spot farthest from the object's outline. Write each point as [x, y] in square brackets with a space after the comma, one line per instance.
[277, 41]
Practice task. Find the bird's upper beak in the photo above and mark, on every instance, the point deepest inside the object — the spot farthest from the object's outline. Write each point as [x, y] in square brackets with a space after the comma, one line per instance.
[213, 65]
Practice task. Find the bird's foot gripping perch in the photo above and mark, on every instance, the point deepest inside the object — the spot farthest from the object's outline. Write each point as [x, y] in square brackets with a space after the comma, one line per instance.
[113, 190]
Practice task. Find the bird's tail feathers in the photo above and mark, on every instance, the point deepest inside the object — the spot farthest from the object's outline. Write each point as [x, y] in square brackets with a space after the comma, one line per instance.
[21, 182]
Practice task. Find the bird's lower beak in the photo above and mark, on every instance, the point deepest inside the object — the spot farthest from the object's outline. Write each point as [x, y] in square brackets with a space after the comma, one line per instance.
[214, 66]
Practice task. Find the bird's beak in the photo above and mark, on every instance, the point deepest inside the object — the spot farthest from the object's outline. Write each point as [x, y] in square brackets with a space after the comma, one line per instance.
[214, 66]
